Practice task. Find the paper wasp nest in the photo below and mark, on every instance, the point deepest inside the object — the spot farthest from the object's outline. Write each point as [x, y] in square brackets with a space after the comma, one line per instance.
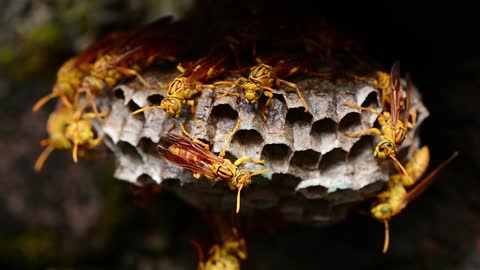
[316, 172]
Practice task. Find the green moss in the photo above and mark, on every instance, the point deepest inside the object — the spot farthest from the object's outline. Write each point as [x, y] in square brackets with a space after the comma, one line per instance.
[43, 35]
[35, 247]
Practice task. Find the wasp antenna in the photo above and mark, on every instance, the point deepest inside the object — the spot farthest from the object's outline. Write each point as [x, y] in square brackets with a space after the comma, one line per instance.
[386, 242]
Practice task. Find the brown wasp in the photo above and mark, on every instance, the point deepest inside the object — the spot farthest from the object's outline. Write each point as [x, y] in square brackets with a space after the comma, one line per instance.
[158, 41]
[192, 154]
[226, 255]
[393, 129]
[69, 129]
[263, 78]
[71, 73]
[395, 198]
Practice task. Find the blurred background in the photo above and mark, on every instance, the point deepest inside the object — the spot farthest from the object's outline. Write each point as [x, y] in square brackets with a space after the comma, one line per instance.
[77, 216]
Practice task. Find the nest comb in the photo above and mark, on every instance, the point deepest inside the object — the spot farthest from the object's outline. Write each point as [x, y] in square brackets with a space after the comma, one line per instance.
[316, 172]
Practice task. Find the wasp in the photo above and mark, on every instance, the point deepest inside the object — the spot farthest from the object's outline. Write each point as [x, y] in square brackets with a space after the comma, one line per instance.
[192, 154]
[226, 255]
[191, 82]
[263, 78]
[184, 87]
[142, 48]
[69, 129]
[395, 198]
[72, 72]
[393, 129]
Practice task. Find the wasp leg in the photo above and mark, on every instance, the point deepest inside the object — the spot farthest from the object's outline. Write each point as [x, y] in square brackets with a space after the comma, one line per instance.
[191, 102]
[375, 131]
[234, 84]
[43, 157]
[228, 138]
[294, 86]
[362, 108]
[204, 145]
[172, 125]
[132, 72]
[245, 159]
[269, 94]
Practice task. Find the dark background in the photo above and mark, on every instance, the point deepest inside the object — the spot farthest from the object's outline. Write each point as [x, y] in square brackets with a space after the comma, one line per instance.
[77, 216]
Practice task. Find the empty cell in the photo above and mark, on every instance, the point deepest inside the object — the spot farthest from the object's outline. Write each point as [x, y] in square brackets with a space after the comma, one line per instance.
[285, 181]
[277, 156]
[119, 93]
[298, 115]
[371, 100]
[155, 99]
[129, 150]
[307, 159]
[362, 147]
[350, 122]
[247, 141]
[323, 127]
[334, 158]
[145, 179]
[222, 111]
[148, 146]
[132, 106]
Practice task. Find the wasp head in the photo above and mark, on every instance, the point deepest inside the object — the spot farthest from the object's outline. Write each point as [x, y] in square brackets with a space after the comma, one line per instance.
[384, 149]
[171, 106]
[252, 92]
[382, 211]
[242, 178]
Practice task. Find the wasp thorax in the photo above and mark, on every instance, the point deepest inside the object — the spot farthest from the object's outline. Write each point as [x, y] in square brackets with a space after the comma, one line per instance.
[94, 84]
[384, 149]
[80, 132]
[176, 85]
[171, 106]
[260, 74]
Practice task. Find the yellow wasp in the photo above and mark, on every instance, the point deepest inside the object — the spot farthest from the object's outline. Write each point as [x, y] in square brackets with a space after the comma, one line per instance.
[189, 83]
[393, 129]
[192, 154]
[263, 78]
[69, 129]
[226, 255]
[395, 198]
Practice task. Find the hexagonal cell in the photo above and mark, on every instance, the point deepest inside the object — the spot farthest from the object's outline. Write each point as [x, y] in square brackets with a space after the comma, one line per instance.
[351, 123]
[362, 148]
[306, 159]
[129, 150]
[155, 99]
[335, 158]
[145, 179]
[323, 130]
[148, 147]
[247, 143]
[277, 156]
[299, 116]
[221, 122]
[370, 101]
[132, 106]
[118, 93]
[285, 181]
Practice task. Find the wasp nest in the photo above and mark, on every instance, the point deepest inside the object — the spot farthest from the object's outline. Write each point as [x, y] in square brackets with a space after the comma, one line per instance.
[316, 171]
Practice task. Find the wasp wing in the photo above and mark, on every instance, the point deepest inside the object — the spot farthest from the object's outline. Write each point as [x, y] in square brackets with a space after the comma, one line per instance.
[421, 186]
[395, 94]
[203, 157]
